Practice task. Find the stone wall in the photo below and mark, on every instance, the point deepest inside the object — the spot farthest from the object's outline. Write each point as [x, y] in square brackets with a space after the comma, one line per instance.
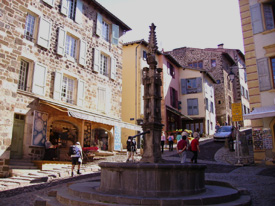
[187, 55]
[15, 47]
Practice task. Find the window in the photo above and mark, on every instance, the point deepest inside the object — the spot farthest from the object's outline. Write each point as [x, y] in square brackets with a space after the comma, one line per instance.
[29, 28]
[103, 65]
[273, 69]
[212, 107]
[196, 64]
[173, 98]
[218, 81]
[219, 102]
[206, 104]
[72, 9]
[144, 55]
[70, 48]
[213, 63]
[189, 86]
[32, 77]
[192, 106]
[228, 85]
[37, 29]
[171, 69]
[262, 16]
[68, 89]
[71, 45]
[23, 75]
[105, 29]
[67, 92]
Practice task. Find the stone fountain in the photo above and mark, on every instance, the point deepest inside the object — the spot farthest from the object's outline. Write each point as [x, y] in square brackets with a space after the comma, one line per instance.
[152, 181]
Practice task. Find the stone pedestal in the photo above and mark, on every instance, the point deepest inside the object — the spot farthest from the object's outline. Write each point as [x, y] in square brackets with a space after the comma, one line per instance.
[151, 179]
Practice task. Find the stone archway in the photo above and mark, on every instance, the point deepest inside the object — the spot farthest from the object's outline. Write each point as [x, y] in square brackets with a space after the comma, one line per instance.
[63, 134]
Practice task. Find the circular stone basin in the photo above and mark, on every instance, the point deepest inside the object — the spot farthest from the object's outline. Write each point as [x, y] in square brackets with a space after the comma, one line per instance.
[152, 179]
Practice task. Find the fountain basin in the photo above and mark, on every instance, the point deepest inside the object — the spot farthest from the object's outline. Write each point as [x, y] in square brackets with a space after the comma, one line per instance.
[152, 179]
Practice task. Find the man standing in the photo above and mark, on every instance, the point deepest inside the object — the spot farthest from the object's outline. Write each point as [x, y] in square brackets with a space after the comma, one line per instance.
[195, 149]
[181, 149]
[77, 156]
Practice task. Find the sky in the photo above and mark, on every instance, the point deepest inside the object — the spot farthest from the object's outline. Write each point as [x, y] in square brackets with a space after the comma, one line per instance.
[181, 23]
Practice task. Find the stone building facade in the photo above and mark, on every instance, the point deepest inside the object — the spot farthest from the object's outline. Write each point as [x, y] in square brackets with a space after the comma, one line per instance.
[60, 77]
[218, 62]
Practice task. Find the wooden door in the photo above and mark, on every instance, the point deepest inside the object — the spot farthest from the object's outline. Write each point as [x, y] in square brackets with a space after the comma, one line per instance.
[17, 137]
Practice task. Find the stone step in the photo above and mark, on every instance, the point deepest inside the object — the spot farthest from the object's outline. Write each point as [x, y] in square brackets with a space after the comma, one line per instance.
[19, 172]
[85, 193]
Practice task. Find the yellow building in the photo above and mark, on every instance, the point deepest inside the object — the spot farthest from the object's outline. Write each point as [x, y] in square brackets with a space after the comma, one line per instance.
[259, 40]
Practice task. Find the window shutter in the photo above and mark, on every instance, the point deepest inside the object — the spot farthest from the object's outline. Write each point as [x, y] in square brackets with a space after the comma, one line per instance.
[61, 42]
[190, 107]
[96, 60]
[171, 96]
[183, 86]
[101, 99]
[39, 79]
[264, 74]
[99, 24]
[113, 68]
[50, 2]
[176, 99]
[199, 84]
[57, 85]
[256, 18]
[78, 11]
[80, 92]
[65, 7]
[195, 107]
[82, 53]
[268, 16]
[44, 33]
[108, 101]
[115, 34]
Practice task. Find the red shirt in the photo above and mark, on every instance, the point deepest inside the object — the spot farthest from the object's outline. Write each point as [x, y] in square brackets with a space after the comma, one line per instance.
[194, 144]
[181, 144]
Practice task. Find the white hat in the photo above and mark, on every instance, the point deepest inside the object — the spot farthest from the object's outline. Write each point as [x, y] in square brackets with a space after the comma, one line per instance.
[78, 143]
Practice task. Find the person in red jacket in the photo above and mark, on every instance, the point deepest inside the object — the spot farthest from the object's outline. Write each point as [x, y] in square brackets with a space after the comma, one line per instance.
[195, 149]
[181, 149]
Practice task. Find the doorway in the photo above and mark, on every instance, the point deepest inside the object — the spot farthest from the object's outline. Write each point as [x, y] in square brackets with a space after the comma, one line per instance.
[17, 137]
[101, 139]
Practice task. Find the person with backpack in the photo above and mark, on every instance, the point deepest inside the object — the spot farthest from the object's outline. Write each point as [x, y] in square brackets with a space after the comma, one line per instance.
[181, 149]
[131, 148]
[76, 154]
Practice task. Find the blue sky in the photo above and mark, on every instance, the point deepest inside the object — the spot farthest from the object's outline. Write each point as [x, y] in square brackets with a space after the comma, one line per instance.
[180, 23]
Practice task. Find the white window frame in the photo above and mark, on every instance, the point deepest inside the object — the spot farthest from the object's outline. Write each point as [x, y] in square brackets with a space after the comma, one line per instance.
[111, 35]
[68, 89]
[23, 75]
[78, 95]
[111, 63]
[80, 46]
[66, 10]
[41, 28]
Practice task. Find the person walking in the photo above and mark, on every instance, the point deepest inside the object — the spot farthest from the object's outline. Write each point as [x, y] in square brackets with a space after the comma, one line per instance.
[162, 141]
[195, 149]
[131, 148]
[77, 156]
[181, 149]
[171, 141]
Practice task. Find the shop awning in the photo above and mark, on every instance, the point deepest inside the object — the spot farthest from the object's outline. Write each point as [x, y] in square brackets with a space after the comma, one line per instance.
[178, 113]
[75, 112]
[261, 112]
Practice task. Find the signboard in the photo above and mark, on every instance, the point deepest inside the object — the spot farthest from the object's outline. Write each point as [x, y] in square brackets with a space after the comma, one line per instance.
[237, 112]
[117, 138]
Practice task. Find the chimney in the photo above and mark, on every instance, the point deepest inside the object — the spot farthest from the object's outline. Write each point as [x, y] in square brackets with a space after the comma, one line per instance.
[220, 46]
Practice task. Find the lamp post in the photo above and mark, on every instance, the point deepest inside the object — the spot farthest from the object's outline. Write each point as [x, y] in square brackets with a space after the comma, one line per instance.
[237, 117]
